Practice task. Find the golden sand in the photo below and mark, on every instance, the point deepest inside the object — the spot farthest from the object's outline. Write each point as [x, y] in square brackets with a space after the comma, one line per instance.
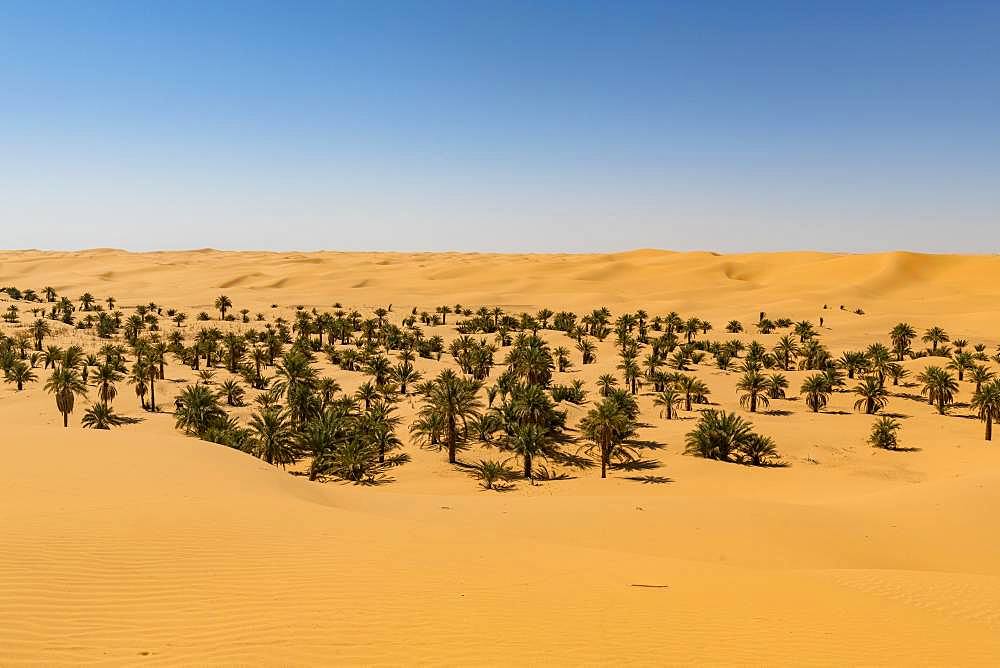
[143, 545]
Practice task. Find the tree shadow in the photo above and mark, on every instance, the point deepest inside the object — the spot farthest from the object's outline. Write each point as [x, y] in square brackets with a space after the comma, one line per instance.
[776, 412]
[638, 464]
[650, 479]
[645, 444]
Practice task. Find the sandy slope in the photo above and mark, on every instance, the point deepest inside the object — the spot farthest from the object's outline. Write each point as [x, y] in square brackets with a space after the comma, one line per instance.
[143, 545]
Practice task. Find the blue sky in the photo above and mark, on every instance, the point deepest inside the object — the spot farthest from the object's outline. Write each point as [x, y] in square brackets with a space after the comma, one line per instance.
[574, 126]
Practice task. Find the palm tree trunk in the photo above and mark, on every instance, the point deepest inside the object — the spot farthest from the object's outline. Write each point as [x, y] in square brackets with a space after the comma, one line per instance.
[65, 420]
[527, 465]
[604, 464]
[452, 438]
[152, 395]
[989, 427]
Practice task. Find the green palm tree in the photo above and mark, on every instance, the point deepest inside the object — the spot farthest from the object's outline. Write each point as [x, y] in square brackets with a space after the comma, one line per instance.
[785, 350]
[753, 389]
[39, 330]
[404, 374]
[273, 437]
[452, 401]
[66, 385]
[692, 388]
[233, 392]
[105, 379]
[197, 409]
[879, 359]
[817, 390]
[962, 362]
[222, 304]
[103, 416]
[606, 382]
[20, 373]
[777, 383]
[668, 399]
[939, 386]
[588, 349]
[529, 441]
[980, 374]
[378, 425]
[872, 396]
[883, 434]
[986, 403]
[718, 435]
[935, 336]
[607, 426]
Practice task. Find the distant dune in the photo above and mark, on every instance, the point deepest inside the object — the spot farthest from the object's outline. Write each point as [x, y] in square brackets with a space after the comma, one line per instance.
[141, 545]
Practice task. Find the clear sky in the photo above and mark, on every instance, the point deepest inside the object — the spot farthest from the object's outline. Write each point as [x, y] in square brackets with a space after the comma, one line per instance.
[509, 126]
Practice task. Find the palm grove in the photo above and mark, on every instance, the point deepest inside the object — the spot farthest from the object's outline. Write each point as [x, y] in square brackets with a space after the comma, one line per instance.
[498, 391]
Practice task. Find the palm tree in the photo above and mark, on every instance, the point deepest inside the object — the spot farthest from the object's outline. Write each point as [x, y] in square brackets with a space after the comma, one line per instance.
[102, 416]
[273, 437]
[223, 303]
[719, 435]
[529, 441]
[961, 362]
[107, 376]
[883, 433]
[986, 401]
[588, 349]
[670, 398]
[607, 427]
[817, 391]
[753, 386]
[197, 409]
[20, 373]
[879, 359]
[139, 380]
[606, 382]
[692, 388]
[786, 349]
[405, 375]
[939, 386]
[39, 330]
[873, 396]
[934, 336]
[52, 356]
[902, 335]
[379, 428]
[758, 450]
[980, 374]
[452, 400]
[66, 385]
[777, 383]
[233, 392]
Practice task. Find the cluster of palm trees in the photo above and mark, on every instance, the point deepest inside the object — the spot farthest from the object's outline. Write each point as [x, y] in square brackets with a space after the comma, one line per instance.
[298, 414]
[520, 416]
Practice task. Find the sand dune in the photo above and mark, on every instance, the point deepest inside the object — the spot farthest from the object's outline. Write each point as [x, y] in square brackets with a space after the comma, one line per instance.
[141, 545]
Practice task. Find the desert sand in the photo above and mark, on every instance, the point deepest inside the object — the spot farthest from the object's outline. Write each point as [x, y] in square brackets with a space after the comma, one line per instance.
[142, 545]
